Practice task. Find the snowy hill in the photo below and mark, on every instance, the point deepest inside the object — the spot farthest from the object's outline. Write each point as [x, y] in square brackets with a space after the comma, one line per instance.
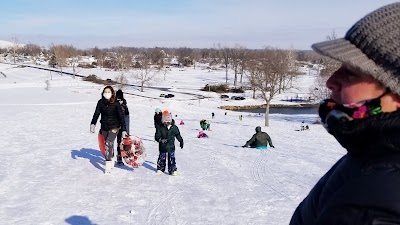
[52, 172]
[9, 44]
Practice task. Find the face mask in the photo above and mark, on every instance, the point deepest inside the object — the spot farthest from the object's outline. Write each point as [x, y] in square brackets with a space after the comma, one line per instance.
[107, 95]
[167, 124]
[347, 112]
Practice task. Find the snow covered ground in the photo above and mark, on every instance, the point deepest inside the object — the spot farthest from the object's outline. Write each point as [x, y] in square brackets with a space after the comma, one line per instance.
[52, 172]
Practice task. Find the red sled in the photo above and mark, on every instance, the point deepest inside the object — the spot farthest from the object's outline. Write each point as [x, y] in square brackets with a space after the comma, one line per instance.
[133, 152]
[102, 144]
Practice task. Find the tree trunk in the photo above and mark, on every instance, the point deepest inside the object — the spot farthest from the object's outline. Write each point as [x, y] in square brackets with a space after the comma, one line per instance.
[254, 93]
[142, 87]
[267, 115]
[235, 81]
[241, 76]
[226, 73]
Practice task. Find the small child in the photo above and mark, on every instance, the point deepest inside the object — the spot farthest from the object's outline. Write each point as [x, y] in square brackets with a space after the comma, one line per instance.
[166, 135]
[202, 134]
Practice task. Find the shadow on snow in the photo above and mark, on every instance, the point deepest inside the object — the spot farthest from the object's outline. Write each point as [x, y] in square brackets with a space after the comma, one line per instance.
[79, 220]
[95, 158]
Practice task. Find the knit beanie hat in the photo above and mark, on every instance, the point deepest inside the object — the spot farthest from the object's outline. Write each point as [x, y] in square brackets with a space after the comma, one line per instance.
[372, 45]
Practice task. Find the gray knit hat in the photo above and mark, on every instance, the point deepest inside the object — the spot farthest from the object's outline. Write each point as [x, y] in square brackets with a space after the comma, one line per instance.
[371, 45]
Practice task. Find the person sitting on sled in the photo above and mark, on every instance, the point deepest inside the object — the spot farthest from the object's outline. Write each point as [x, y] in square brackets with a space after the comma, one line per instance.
[166, 135]
[202, 134]
[259, 140]
[203, 124]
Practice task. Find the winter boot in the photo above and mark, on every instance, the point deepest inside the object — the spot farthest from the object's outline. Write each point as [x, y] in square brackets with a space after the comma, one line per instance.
[174, 173]
[119, 161]
[159, 172]
[109, 166]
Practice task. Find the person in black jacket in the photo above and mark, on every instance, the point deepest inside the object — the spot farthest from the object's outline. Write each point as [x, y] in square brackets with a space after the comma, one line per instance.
[120, 98]
[363, 114]
[166, 135]
[112, 120]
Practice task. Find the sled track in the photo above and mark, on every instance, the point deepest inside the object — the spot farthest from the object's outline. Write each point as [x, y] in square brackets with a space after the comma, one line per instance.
[259, 168]
[292, 177]
[155, 217]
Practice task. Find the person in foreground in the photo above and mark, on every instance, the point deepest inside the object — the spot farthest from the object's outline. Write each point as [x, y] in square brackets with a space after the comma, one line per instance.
[112, 119]
[259, 140]
[363, 114]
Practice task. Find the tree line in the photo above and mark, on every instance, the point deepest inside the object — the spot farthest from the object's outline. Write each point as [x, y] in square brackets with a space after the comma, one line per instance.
[267, 72]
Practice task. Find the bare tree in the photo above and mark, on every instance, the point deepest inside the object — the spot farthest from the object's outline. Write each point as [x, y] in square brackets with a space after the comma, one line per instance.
[145, 74]
[319, 91]
[328, 65]
[99, 55]
[185, 56]
[266, 75]
[288, 64]
[60, 53]
[121, 80]
[123, 59]
[157, 56]
[31, 50]
[225, 53]
[14, 48]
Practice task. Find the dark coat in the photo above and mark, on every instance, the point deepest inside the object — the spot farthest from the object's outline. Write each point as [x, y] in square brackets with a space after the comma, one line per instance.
[363, 187]
[169, 134]
[111, 115]
[124, 106]
[157, 119]
[260, 139]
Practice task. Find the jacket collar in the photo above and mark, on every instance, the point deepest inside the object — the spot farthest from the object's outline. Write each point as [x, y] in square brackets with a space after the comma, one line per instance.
[372, 135]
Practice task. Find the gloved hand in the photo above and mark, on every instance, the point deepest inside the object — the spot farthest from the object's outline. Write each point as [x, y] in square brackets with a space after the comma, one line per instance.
[272, 146]
[92, 128]
[181, 145]
[163, 141]
[124, 134]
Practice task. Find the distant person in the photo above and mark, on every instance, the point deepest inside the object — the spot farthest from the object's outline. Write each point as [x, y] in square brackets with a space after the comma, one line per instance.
[203, 124]
[241, 117]
[202, 134]
[259, 140]
[112, 120]
[182, 123]
[363, 115]
[120, 98]
[212, 115]
[225, 113]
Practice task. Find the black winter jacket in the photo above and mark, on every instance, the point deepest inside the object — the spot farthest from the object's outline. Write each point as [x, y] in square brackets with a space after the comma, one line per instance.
[169, 134]
[124, 106]
[157, 119]
[363, 187]
[111, 115]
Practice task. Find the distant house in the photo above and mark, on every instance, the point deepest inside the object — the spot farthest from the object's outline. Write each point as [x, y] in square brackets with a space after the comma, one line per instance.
[174, 62]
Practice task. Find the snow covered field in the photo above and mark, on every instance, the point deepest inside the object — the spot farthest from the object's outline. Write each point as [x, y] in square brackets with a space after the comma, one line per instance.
[52, 172]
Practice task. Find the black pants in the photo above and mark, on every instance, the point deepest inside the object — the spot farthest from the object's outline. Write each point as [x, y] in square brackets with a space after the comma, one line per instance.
[109, 138]
[171, 161]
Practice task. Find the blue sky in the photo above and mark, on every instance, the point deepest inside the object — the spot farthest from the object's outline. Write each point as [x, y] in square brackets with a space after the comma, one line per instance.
[175, 23]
